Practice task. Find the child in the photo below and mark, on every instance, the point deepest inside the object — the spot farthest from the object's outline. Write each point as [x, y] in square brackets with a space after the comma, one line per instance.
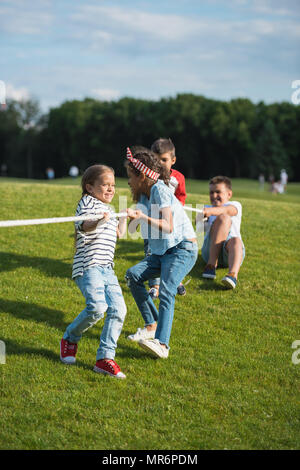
[165, 150]
[223, 243]
[93, 271]
[172, 245]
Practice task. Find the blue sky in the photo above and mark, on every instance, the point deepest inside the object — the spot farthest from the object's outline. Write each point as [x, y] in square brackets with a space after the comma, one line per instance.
[106, 49]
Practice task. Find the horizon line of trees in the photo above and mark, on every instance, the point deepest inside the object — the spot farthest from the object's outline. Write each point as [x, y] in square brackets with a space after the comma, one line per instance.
[237, 138]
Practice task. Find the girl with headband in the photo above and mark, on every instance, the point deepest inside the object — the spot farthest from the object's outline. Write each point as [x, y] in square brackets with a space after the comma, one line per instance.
[173, 248]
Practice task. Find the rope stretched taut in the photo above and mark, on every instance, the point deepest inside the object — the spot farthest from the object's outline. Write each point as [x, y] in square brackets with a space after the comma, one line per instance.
[56, 220]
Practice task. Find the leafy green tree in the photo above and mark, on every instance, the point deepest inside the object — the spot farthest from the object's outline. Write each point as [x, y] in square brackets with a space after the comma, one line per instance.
[269, 151]
[236, 138]
[232, 129]
[9, 136]
[21, 118]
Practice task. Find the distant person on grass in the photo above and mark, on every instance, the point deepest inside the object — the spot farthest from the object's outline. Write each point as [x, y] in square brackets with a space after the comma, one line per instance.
[172, 246]
[223, 245]
[74, 171]
[93, 271]
[283, 179]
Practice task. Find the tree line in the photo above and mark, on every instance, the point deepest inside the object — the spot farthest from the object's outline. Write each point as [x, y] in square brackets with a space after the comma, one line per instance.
[237, 138]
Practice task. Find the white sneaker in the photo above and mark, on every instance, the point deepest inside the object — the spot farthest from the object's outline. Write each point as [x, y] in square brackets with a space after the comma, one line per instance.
[142, 333]
[154, 347]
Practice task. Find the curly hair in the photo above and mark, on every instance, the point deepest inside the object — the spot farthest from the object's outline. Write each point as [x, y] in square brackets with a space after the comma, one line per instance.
[151, 160]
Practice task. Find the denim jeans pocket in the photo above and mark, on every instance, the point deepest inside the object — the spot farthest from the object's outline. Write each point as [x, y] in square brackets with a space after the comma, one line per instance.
[187, 245]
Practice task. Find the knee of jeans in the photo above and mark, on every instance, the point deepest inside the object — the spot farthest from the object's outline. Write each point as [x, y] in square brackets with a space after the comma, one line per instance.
[166, 292]
[122, 310]
[96, 310]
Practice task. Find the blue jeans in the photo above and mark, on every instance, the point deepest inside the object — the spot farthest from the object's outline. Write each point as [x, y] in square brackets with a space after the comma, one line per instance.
[100, 287]
[154, 281]
[173, 266]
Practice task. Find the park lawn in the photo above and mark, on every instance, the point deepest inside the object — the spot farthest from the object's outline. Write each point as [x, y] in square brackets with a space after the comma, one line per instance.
[229, 381]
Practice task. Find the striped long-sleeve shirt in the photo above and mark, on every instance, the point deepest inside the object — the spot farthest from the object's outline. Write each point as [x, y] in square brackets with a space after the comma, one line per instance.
[98, 246]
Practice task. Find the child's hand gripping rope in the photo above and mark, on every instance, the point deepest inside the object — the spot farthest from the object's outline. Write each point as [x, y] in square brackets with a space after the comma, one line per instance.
[55, 220]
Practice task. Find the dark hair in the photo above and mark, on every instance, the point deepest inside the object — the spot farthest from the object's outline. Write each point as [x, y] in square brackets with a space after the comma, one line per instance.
[92, 173]
[163, 145]
[221, 179]
[151, 160]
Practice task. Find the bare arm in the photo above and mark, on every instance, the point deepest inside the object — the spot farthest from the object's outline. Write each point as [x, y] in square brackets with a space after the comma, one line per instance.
[165, 224]
[228, 210]
[90, 225]
[122, 227]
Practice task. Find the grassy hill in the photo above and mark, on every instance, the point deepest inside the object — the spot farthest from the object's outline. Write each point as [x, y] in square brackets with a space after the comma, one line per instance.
[229, 381]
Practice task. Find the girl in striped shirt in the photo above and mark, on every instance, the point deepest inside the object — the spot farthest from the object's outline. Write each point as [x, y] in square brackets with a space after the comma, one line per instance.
[93, 271]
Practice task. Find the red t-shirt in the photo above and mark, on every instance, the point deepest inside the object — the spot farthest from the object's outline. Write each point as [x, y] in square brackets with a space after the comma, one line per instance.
[177, 183]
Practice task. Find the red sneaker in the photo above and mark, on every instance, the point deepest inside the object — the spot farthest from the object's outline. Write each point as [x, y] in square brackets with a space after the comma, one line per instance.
[109, 367]
[68, 351]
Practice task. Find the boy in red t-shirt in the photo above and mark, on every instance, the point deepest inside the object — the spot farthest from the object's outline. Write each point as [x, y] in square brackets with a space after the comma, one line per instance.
[165, 150]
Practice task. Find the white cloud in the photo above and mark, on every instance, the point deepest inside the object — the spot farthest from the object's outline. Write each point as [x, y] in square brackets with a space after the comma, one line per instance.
[268, 7]
[170, 27]
[19, 17]
[118, 29]
[18, 94]
[275, 7]
[105, 94]
[65, 50]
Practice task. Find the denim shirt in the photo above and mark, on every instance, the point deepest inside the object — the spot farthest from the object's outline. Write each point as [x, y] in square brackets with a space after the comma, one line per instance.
[161, 196]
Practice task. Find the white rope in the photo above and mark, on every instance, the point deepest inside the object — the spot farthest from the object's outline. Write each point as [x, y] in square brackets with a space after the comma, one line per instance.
[187, 208]
[57, 220]
[200, 211]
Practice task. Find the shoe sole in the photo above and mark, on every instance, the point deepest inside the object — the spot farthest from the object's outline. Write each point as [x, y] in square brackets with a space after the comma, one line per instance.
[151, 351]
[139, 339]
[209, 276]
[63, 359]
[131, 337]
[228, 283]
[105, 372]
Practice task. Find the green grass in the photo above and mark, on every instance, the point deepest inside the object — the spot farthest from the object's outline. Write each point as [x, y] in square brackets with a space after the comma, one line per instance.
[229, 381]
